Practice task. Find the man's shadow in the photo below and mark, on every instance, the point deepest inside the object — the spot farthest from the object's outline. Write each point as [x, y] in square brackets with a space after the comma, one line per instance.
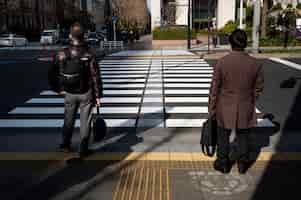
[258, 139]
[79, 171]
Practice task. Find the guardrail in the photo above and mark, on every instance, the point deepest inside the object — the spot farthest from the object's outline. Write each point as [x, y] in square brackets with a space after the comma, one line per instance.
[111, 45]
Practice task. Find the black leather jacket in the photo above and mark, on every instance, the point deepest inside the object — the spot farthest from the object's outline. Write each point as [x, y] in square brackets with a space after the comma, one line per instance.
[91, 73]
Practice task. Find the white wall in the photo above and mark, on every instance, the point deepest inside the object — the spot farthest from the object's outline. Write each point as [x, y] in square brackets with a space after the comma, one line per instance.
[156, 13]
[225, 12]
[182, 12]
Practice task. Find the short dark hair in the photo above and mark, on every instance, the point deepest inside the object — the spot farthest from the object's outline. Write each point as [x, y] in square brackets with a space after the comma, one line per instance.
[238, 39]
[77, 31]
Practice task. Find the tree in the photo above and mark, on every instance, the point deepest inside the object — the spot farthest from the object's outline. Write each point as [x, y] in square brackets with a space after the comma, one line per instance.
[265, 9]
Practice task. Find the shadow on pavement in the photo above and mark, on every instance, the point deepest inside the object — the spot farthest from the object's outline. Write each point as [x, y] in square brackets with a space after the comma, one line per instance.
[80, 172]
[281, 179]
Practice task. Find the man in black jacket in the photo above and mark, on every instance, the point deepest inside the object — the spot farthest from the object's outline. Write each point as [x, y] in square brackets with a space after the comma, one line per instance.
[75, 75]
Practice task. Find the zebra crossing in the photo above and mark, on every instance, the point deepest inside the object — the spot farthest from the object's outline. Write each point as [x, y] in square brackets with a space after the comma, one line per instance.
[166, 92]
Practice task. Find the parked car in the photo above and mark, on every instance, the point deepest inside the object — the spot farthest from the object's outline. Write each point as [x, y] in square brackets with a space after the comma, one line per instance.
[93, 39]
[12, 40]
[49, 37]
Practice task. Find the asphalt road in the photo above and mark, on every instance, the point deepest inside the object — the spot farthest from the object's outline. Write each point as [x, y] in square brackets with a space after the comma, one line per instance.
[22, 76]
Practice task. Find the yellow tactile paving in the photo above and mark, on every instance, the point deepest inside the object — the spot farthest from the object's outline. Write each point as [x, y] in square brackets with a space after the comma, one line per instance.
[140, 156]
[180, 156]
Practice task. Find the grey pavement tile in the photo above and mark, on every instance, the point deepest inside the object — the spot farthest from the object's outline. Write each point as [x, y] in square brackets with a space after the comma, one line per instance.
[151, 147]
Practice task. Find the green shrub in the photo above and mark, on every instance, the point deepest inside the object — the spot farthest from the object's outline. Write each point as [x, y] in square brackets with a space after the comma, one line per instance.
[229, 27]
[289, 5]
[172, 34]
[278, 41]
[271, 26]
[278, 6]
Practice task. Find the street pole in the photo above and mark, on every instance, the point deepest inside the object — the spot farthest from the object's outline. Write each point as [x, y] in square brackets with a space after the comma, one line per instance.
[114, 29]
[208, 7]
[256, 26]
[241, 14]
[188, 28]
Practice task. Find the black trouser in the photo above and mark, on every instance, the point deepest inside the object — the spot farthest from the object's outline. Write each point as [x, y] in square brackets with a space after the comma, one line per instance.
[72, 102]
[223, 144]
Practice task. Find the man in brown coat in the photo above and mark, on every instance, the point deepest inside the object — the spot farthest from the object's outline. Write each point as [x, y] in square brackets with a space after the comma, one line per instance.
[236, 84]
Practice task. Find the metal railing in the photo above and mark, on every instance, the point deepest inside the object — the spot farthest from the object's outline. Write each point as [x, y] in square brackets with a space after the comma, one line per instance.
[112, 45]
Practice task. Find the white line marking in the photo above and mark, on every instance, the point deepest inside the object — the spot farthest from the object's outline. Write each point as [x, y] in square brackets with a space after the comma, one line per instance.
[103, 100]
[188, 65]
[153, 100]
[57, 123]
[154, 85]
[188, 75]
[116, 92]
[153, 91]
[187, 85]
[148, 109]
[186, 109]
[124, 76]
[188, 71]
[198, 123]
[192, 80]
[124, 72]
[200, 91]
[173, 123]
[124, 69]
[186, 99]
[60, 110]
[124, 86]
[129, 80]
[187, 68]
[122, 66]
[106, 92]
[286, 62]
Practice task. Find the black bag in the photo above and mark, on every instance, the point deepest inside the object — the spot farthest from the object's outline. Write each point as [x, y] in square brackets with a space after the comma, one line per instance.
[209, 137]
[99, 127]
[71, 72]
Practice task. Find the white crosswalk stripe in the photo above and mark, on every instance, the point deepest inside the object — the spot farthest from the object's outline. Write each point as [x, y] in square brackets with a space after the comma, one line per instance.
[170, 92]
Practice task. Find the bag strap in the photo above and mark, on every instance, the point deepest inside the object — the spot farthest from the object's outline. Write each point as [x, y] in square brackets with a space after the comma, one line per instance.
[97, 109]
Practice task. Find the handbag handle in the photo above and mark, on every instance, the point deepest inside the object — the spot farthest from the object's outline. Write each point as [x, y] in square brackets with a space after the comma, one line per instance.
[97, 109]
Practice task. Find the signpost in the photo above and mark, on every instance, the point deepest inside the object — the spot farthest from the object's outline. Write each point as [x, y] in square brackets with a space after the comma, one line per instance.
[256, 25]
[188, 27]
[114, 20]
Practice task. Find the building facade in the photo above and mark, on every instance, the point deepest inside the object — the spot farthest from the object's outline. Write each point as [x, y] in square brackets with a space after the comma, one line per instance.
[222, 10]
[30, 17]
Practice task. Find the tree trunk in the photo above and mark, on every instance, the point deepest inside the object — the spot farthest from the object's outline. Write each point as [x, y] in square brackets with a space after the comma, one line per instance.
[264, 18]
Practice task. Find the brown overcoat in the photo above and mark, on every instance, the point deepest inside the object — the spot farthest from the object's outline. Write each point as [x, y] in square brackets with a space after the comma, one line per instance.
[237, 82]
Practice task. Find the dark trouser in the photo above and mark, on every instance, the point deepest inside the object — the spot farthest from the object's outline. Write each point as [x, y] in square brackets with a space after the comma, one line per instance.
[72, 103]
[223, 144]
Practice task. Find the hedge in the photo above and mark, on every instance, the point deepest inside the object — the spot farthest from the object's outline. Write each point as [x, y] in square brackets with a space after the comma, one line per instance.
[172, 34]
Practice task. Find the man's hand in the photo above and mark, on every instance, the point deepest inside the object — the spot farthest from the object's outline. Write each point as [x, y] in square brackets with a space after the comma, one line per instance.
[62, 93]
[98, 102]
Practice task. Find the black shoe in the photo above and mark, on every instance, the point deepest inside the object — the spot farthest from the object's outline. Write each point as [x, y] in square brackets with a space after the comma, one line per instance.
[224, 167]
[242, 167]
[84, 150]
[85, 153]
[65, 148]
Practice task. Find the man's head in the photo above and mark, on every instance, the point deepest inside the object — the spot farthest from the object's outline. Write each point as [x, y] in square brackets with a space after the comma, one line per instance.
[77, 32]
[238, 40]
